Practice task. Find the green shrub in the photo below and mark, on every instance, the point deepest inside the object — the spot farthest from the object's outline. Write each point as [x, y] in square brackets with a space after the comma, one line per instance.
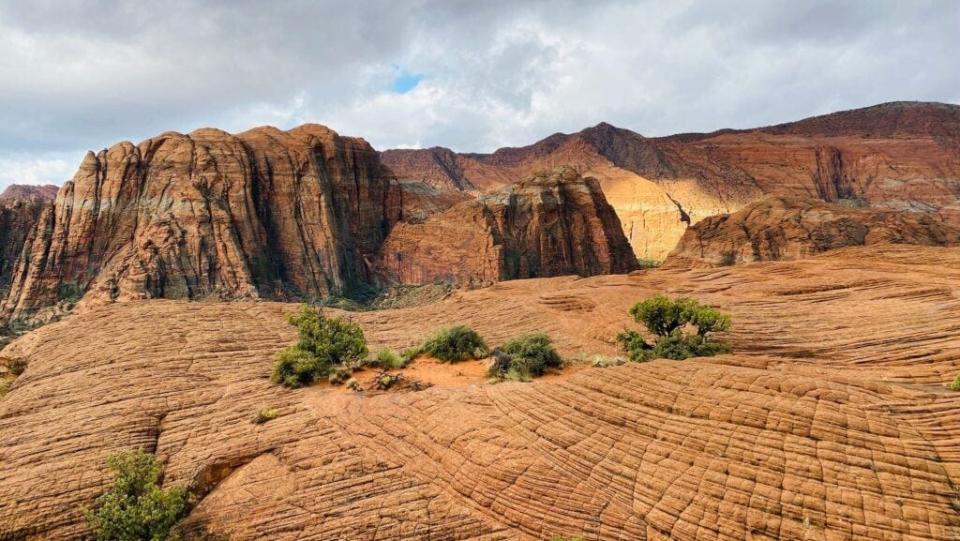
[136, 508]
[633, 343]
[667, 319]
[388, 359]
[452, 344]
[323, 344]
[955, 386]
[266, 414]
[524, 357]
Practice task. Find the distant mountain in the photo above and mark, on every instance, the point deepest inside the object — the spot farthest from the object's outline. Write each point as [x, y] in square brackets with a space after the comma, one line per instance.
[28, 193]
[900, 155]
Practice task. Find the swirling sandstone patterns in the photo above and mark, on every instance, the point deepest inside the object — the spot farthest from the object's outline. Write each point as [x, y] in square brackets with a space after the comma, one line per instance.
[830, 422]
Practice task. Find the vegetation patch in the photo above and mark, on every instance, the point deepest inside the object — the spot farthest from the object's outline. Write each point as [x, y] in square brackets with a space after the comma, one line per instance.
[524, 357]
[955, 386]
[453, 344]
[388, 360]
[324, 344]
[265, 415]
[135, 507]
[682, 327]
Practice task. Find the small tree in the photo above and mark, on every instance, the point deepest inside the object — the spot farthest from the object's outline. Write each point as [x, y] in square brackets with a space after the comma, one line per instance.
[136, 508]
[323, 344]
[667, 319]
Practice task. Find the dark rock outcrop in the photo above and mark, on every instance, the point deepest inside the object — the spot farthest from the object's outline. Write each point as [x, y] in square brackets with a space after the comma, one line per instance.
[548, 225]
[21, 207]
[778, 228]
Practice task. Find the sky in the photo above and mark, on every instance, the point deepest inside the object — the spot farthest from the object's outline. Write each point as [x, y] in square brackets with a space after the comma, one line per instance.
[469, 75]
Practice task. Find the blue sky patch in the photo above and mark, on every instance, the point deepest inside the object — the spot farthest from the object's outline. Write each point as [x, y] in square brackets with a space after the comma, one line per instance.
[404, 81]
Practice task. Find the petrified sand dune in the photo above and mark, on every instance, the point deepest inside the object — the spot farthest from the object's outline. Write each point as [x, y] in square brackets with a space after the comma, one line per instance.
[778, 228]
[829, 422]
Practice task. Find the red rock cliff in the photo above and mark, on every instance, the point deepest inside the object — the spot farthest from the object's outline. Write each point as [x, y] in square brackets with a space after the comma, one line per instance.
[778, 228]
[900, 156]
[266, 212]
[552, 224]
[21, 207]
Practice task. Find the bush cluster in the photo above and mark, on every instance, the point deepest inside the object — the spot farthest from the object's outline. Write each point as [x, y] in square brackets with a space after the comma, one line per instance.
[524, 357]
[453, 344]
[136, 508]
[668, 319]
[324, 343]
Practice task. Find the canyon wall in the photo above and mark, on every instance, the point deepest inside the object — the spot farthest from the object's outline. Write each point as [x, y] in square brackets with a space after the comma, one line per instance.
[899, 156]
[21, 207]
[266, 212]
[553, 224]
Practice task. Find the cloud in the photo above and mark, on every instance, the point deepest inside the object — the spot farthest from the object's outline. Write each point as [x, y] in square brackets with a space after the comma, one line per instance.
[85, 74]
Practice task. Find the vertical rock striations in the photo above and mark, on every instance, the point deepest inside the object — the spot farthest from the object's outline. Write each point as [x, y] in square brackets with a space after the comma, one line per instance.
[263, 213]
[21, 207]
[551, 224]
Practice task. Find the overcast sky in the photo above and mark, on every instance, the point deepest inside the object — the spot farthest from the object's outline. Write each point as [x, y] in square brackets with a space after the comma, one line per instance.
[470, 75]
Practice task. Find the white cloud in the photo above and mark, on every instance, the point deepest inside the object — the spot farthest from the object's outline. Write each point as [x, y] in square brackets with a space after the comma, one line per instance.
[495, 73]
[38, 169]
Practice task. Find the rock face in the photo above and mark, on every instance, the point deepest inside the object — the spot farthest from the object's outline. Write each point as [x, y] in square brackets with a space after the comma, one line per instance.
[779, 228]
[262, 213]
[548, 225]
[830, 421]
[21, 207]
[901, 156]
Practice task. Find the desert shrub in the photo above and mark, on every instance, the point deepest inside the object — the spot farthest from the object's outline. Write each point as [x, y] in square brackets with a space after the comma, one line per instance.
[457, 343]
[633, 343]
[69, 292]
[266, 414]
[388, 359]
[339, 374]
[955, 386]
[323, 344]
[667, 319]
[354, 385]
[136, 508]
[524, 357]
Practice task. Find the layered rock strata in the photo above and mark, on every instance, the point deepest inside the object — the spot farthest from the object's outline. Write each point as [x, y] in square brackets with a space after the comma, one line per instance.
[780, 228]
[552, 224]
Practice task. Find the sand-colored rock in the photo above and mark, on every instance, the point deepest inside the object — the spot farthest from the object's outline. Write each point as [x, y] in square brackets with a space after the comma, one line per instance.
[262, 213]
[779, 228]
[548, 225]
[901, 156]
[830, 421]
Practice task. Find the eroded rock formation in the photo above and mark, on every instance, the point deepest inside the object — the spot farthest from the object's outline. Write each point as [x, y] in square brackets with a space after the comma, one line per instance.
[780, 228]
[901, 156]
[830, 421]
[21, 208]
[552, 224]
[265, 212]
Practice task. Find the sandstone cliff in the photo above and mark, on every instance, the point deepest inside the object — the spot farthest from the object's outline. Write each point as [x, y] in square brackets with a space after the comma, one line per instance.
[902, 156]
[779, 228]
[551, 224]
[21, 207]
[263, 213]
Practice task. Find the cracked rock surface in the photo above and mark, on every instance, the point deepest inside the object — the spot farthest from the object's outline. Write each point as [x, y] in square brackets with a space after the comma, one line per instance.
[830, 421]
